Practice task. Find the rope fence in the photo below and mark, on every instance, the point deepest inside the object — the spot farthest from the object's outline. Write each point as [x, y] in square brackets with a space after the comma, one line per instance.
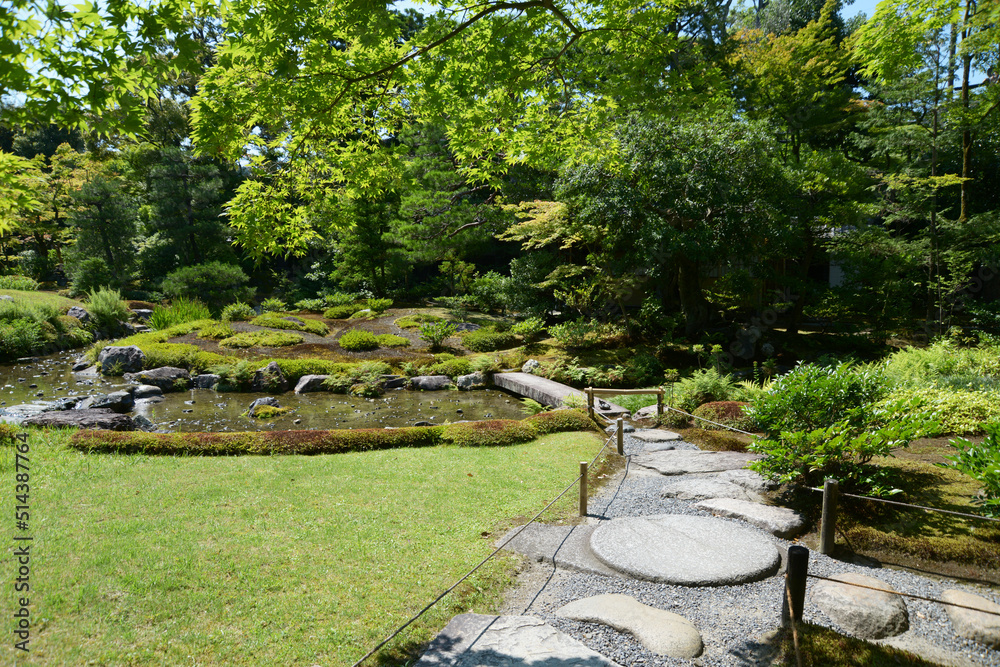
[581, 479]
[905, 595]
[910, 505]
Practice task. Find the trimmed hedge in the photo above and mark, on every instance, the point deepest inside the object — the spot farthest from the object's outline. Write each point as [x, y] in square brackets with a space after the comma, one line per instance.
[262, 339]
[559, 421]
[8, 434]
[488, 339]
[491, 433]
[275, 321]
[342, 312]
[357, 340]
[392, 340]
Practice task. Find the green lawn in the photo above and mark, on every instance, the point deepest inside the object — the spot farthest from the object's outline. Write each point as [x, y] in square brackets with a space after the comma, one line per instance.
[49, 298]
[256, 560]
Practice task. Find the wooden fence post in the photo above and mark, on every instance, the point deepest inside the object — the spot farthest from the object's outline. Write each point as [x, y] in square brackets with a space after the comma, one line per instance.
[827, 535]
[583, 488]
[590, 401]
[620, 425]
[659, 403]
[793, 594]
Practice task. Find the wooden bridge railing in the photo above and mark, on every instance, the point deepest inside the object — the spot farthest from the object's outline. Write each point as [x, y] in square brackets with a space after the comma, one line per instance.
[592, 392]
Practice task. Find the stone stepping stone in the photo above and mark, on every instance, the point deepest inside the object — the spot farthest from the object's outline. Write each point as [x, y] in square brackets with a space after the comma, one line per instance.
[567, 547]
[660, 631]
[687, 462]
[779, 521]
[704, 488]
[477, 640]
[861, 611]
[655, 435]
[685, 550]
[974, 625]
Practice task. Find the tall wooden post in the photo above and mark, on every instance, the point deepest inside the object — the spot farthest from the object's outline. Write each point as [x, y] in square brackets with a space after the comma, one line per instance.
[590, 401]
[793, 595]
[583, 488]
[828, 528]
[659, 402]
[620, 433]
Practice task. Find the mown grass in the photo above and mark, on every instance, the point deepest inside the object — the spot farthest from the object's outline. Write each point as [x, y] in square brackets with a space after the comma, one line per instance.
[47, 298]
[269, 560]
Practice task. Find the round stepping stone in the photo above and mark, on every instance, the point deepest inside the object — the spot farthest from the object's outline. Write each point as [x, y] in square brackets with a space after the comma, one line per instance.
[685, 550]
[866, 613]
[977, 626]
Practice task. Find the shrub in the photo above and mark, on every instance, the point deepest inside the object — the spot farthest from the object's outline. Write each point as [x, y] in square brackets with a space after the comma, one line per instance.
[529, 329]
[342, 312]
[727, 413]
[982, 463]
[238, 312]
[269, 412]
[489, 292]
[392, 340]
[414, 321]
[560, 421]
[23, 283]
[262, 339]
[379, 305]
[180, 311]
[107, 309]
[19, 337]
[488, 339]
[812, 397]
[955, 412]
[578, 334]
[702, 386]
[312, 305]
[273, 305]
[641, 369]
[944, 363]
[492, 433]
[485, 364]
[275, 322]
[436, 333]
[215, 283]
[180, 355]
[8, 434]
[91, 274]
[363, 314]
[357, 340]
[216, 331]
[450, 367]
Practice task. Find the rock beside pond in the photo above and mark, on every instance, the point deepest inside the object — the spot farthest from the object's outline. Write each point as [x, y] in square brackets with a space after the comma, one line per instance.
[81, 364]
[267, 400]
[471, 381]
[430, 382]
[392, 381]
[117, 359]
[205, 381]
[269, 378]
[529, 366]
[167, 378]
[79, 313]
[142, 314]
[309, 383]
[102, 418]
[147, 391]
[117, 401]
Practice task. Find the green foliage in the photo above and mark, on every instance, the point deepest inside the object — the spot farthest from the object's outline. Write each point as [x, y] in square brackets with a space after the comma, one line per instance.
[363, 314]
[273, 305]
[216, 331]
[450, 367]
[492, 433]
[8, 434]
[269, 412]
[19, 337]
[529, 406]
[179, 355]
[312, 305]
[488, 339]
[262, 339]
[414, 321]
[295, 324]
[813, 397]
[379, 306]
[954, 411]
[342, 312]
[238, 312]
[529, 329]
[357, 340]
[490, 292]
[392, 340]
[559, 421]
[702, 386]
[179, 311]
[107, 310]
[19, 283]
[580, 333]
[89, 274]
[216, 283]
[436, 333]
[727, 413]
[945, 364]
[981, 462]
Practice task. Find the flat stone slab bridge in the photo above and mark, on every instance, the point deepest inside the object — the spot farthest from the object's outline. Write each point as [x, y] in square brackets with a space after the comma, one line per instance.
[549, 392]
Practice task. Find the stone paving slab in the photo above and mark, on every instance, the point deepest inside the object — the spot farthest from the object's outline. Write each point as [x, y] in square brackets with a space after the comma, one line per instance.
[660, 631]
[687, 462]
[476, 640]
[567, 547]
[705, 488]
[866, 613]
[655, 435]
[779, 521]
[685, 550]
[974, 625]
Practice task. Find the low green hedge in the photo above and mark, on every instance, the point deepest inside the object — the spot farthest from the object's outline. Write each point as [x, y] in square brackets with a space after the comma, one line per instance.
[342, 312]
[560, 421]
[262, 339]
[357, 340]
[392, 340]
[491, 433]
[276, 321]
[488, 339]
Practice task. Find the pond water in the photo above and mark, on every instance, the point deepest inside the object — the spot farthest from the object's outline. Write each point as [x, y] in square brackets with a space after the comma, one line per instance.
[51, 378]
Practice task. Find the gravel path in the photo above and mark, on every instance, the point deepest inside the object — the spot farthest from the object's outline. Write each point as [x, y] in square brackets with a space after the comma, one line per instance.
[731, 618]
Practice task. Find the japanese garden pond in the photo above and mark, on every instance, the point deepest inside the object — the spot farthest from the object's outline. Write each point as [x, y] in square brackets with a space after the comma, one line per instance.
[45, 379]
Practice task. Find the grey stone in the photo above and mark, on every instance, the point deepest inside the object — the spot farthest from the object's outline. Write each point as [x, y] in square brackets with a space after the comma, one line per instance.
[748, 479]
[142, 314]
[655, 435]
[79, 313]
[4, 297]
[142, 423]
[685, 462]
[80, 364]
[101, 418]
[529, 366]
[866, 613]
[648, 412]
[626, 428]
[147, 391]
[205, 381]
[167, 378]
[567, 547]
[545, 391]
[779, 521]
[685, 550]
[117, 401]
[470, 381]
[704, 488]
[292, 319]
[477, 640]
[257, 402]
[461, 327]
[662, 632]
[89, 371]
[430, 382]
[309, 383]
[269, 378]
[393, 381]
[129, 359]
[974, 625]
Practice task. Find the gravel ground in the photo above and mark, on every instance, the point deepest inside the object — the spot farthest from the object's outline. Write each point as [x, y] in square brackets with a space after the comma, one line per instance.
[732, 619]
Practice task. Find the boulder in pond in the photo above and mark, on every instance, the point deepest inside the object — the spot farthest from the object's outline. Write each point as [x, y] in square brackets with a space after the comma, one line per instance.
[102, 418]
[529, 366]
[267, 400]
[115, 360]
[206, 381]
[392, 381]
[430, 382]
[269, 378]
[79, 313]
[121, 402]
[167, 378]
[147, 391]
[471, 381]
[309, 383]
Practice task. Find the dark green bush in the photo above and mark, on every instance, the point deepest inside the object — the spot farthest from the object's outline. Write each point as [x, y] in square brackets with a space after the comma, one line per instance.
[91, 274]
[238, 312]
[491, 433]
[357, 340]
[488, 339]
[450, 367]
[392, 340]
[180, 311]
[560, 421]
[20, 337]
[379, 305]
[342, 312]
[215, 283]
[108, 312]
[273, 305]
[23, 283]
[436, 333]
